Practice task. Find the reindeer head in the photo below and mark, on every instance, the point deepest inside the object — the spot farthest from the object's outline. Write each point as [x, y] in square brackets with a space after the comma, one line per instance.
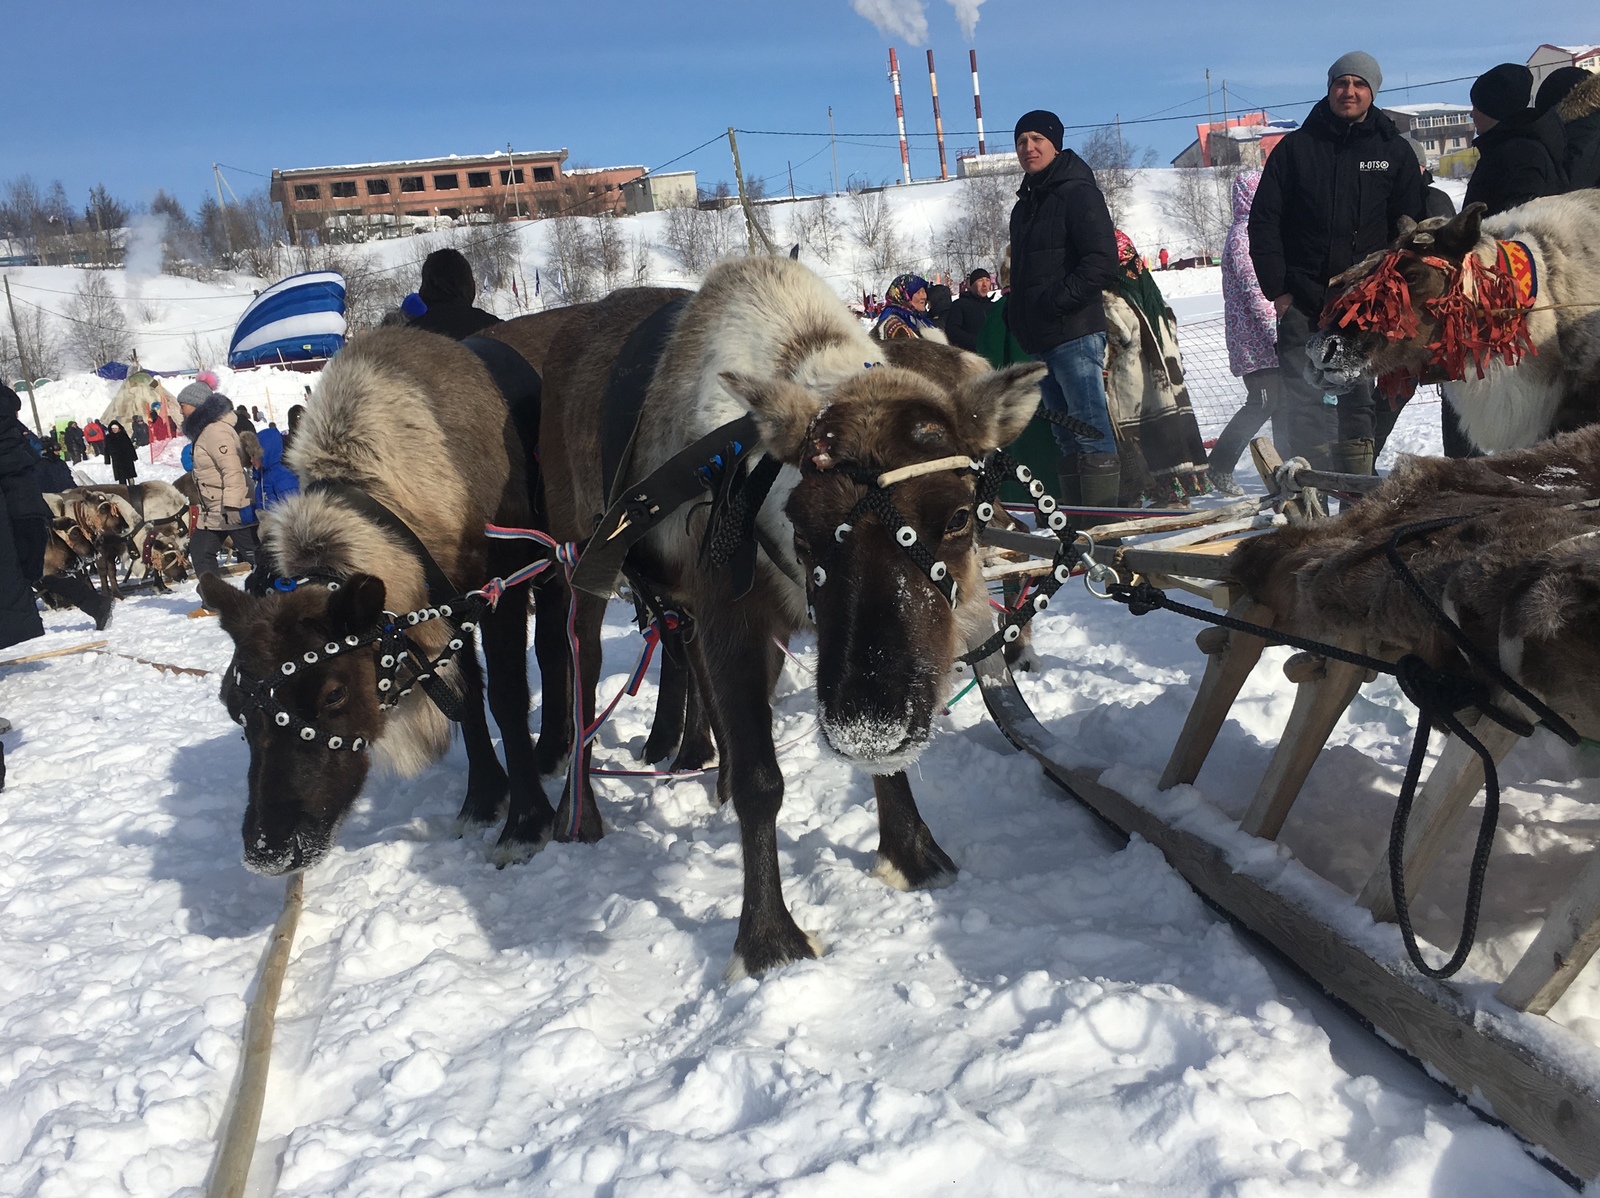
[881, 541]
[1395, 329]
[300, 790]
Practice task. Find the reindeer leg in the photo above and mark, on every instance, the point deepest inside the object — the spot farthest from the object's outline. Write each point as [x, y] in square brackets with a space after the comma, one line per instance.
[486, 781]
[591, 615]
[666, 730]
[696, 749]
[908, 856]
[530, 820]
[555, 678]
[733, 651]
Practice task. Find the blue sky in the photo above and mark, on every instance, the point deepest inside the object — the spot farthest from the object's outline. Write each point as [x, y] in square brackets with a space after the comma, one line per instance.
[141, 96]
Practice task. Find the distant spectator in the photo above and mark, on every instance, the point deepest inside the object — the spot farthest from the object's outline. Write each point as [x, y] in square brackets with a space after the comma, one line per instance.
[226, 507]
[295, 415]
[76, 443]
[55, 476]
[1436, 200]
[162, 426]
[275, 482]
[939, 303]
[94, 436]
[1251, 324]
[141, 432]
[248, 442]
[1164, 257]
[122, 452]
[905, 311]
[448, 290]
[1520, 152]
[964, 322]
[1575, 95]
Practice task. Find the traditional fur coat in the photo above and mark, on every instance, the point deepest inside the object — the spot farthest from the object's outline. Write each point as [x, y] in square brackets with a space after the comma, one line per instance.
[1158, 438]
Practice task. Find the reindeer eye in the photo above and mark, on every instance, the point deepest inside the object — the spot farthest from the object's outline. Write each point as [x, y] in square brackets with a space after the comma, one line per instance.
[958, 522]
[334, 699]
[802, 546]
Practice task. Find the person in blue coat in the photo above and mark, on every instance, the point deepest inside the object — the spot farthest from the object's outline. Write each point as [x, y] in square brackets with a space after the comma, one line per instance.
[275, 482]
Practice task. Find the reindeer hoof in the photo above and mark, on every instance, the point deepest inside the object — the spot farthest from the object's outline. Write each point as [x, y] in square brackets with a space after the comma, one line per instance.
[926, 867]
[516, 852]
[741, 966]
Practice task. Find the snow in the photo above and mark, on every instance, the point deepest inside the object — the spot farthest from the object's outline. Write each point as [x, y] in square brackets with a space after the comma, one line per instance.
[1067, 1017]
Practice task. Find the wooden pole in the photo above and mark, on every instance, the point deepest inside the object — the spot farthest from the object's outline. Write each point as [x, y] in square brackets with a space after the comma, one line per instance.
[86, 647]
[16, 331]
[242, 1122]
[832, 145]
[752, 229]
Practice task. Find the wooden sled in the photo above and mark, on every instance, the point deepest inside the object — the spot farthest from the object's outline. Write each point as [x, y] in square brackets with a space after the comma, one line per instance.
[1494, 1046]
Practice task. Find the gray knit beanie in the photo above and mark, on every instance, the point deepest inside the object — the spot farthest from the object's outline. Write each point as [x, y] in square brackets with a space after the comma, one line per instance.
[195, 394]
[1360, 64]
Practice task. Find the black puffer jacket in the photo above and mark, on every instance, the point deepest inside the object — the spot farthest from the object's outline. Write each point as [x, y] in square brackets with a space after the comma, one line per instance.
[1580, 121]
[964, 321]
[1063, 255]
[1519, 160]
[448, 289]
[1332, 192]
[24, 525]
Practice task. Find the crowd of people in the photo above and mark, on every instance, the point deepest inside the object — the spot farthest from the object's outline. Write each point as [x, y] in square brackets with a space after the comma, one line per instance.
[1331, 192]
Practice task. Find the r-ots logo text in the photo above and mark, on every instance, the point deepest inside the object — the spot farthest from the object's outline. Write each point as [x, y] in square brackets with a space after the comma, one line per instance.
[1375, 164]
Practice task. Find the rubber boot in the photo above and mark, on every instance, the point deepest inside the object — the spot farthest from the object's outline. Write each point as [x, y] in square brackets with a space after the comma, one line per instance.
[82, 596]
[1071, 493]
[1100, 479]
[1319, 456]
[1353, 457]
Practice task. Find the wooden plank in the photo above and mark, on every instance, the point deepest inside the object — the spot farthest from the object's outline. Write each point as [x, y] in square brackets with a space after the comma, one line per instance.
[1547, 1099]
[1200, 561]
[1318, 704]
[1197, 536]
[1225, 675]
[1221, 595]
[1237, 510]
[86, 647]
[1442, 799]
[1570, 936]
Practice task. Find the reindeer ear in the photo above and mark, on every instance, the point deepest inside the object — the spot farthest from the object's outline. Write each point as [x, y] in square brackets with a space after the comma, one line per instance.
[229, 602]
[992, 410]
[357, 606]
[1462, 233]
[1405, 228]
[783, 411]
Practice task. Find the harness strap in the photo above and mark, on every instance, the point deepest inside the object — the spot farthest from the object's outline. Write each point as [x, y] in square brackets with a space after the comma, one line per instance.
[439, 586]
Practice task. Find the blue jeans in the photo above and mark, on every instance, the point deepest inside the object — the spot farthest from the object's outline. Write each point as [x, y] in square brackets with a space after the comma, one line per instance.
[1076, 387]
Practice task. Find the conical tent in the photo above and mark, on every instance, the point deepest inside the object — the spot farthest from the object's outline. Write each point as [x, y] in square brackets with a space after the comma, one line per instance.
[138, 391]
[294, 320]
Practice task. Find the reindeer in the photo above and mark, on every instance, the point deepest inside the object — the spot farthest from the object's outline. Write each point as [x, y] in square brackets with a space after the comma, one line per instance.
[1519, 571]
[867, 535]
[1504, 312]
[324, 678]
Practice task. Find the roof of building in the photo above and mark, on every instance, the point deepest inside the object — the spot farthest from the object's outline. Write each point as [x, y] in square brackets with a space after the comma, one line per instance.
[456, 160]
[599, 170]
[1429, 109]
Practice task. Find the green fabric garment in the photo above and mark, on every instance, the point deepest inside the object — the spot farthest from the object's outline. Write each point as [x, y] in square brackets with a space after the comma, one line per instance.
[1036, 447]
[1144, 295]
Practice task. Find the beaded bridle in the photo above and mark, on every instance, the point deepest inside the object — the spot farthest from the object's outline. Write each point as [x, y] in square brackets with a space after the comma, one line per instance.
[395, 652]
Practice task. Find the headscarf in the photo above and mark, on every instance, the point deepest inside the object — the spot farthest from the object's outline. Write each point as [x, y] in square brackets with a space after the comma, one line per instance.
[1138, 286]
[897, 302]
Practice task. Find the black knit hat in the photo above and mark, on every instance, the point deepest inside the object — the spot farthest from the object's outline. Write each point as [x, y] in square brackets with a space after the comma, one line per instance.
[1046, 124]
[1556, 86]
[980, 273]
[1503, 92]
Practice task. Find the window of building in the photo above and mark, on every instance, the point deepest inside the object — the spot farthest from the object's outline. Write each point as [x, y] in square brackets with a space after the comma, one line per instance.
[377, 187]
[611, 187]
[344, 189]
[411, 183]
[418, 212]
[477, 178]
[508, 177]
[452, 213]
[544, 174]
[446, 183]
[307, 191]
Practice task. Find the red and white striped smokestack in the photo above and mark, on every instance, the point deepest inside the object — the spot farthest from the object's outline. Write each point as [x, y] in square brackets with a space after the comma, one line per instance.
[977, 101]
[899, 115]
[938, 121]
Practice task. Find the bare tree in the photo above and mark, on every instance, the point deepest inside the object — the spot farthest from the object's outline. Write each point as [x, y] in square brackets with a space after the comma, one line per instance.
[639, 260]
[573, 260]
[34, 344]
[611, 251]
[697, 237]
[97, 329]
[982, 226]
[874, 227]
[1199, 203]
[1113, 158]
[818, 229]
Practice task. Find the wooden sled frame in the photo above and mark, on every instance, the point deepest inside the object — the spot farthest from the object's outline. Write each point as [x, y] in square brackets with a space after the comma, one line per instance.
[1493, 1046]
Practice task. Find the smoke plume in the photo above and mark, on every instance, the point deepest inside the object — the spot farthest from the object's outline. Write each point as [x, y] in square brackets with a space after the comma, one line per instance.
[908, 19]
[146, 237]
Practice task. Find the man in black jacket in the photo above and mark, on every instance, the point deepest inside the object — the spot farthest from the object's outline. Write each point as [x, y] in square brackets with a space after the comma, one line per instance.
[1332, 192]
[1576, 101]
[448, 290]
[1519, 151]
[1063, 255]
[964, 321]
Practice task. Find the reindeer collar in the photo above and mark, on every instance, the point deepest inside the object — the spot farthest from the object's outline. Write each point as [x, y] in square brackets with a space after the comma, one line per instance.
[1516, 260]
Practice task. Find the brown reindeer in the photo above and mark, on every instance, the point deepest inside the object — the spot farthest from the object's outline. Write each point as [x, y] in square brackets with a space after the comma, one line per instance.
[1504, 312]
[415, 422]
[766, 337]
[1520, 572]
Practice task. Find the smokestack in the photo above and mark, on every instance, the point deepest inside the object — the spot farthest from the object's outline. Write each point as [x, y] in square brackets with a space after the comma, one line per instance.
[938, 121]
[899, 115]
[977, 101]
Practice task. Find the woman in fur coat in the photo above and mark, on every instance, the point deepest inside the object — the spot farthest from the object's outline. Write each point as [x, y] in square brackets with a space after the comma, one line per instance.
[124, 455]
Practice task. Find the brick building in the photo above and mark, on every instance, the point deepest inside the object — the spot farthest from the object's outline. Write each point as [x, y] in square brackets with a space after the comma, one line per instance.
[382, 198]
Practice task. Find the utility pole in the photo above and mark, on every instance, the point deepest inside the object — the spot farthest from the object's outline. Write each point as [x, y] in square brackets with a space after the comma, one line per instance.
[832, 145]
[790, 165]
[1205, 146]
[16, 332]
[752, 230]
[222, 211]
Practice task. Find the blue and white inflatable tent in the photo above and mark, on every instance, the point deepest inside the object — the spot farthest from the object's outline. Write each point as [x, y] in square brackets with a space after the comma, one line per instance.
[295, 320]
